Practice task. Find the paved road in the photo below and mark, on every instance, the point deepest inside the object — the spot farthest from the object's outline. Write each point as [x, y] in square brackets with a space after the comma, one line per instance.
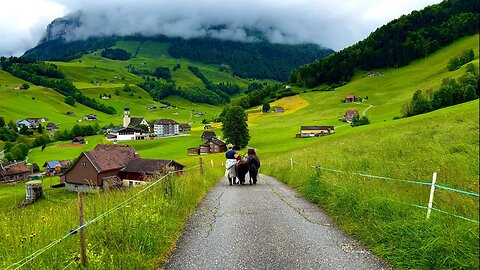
[266, 226]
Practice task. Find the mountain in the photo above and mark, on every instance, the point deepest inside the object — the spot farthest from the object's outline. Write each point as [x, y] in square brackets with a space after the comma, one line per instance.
[395, 44]
[257, 58]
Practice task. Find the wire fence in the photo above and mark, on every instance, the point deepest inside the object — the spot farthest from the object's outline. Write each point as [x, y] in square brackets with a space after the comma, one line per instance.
[25, 260]
[432, 184]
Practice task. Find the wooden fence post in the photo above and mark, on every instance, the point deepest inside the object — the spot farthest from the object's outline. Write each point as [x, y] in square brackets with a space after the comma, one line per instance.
[291, 163]
[81, 219]
[432, 191]
[201, 166]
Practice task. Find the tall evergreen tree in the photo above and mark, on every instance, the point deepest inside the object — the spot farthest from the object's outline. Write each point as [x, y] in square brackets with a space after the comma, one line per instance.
[235, 128]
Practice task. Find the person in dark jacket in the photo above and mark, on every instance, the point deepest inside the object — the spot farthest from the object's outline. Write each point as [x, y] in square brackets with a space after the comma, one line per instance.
[253, 162]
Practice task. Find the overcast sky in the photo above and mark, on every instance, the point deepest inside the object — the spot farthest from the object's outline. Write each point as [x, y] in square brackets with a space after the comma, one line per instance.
[333, 24]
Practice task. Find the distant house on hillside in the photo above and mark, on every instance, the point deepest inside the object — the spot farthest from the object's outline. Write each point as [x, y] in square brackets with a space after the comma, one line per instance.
[349, 98]
[216, 146]
[185, 127]
[207, 135]
[30, 122]
[315, 131]
[193, 151]
[348, 116]
[166, 127]
[55, 167]
[78, 140]
[51, 127]
[279, 110]
[90, 117]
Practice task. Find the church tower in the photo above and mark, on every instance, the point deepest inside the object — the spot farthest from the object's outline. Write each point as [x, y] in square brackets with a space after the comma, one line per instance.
[126, 116]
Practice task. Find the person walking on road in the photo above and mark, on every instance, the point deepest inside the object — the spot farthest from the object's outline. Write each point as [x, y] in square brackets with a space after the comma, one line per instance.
[230, 165]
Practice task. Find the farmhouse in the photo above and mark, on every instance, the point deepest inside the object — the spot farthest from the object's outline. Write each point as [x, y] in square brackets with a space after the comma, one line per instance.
[314, 131]
[93, 170]
[216, 146]
[193, 151]
[13, 172]
[207, 135]
[166, 127]
[348, 116]
[90, 117]
[78, 140]
[55, 167]
[349, 98]
[51, 127]
[139, 170]
[185, 127]
[30, 122]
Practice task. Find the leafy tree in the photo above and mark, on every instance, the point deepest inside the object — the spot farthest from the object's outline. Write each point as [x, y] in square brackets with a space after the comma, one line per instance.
[266, 107]
[235, 128]
[2, 122]
[25, 86]
[420, 102]
[70, 100]
[11, 125]
[116, 54]
[40, 128]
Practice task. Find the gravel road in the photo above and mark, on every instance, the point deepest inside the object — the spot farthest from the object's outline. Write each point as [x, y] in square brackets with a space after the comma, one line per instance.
[265, 226]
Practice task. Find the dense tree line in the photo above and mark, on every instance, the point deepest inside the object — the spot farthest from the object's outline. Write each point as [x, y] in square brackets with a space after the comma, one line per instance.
[213, 87]
[457, 61]
[159, 90]
[249, 60]
[76, 131]
[116, 54]
[47, 75]
[159, 73]
[395, 44]
[451, 92]
[260, 95]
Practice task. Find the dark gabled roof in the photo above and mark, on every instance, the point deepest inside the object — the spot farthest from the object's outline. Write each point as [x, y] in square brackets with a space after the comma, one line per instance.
[216, 141]
[135, 121]
[165, 122]
[148, 166]
[317, 128]
[107, 157]
[51, 126]
[15, 168]
[129, 129]
[183, 126]
[78, 139]
[209, 134]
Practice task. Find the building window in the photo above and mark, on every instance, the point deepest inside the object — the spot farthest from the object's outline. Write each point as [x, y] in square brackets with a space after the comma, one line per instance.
[84, 164]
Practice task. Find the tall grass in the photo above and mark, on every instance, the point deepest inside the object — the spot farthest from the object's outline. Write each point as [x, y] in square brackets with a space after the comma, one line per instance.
[380, 212]
[138, 235]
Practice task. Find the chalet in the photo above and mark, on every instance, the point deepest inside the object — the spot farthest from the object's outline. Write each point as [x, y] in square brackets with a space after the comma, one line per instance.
[126, 134]
[78, 140]
[193, 151]
[349, 98]
[166, 127]
[207, 135]
[139, 170]
[51, 127]
[13, 172]
[204, 149]
[348, 116]
[90, 117]
[97, 169]
[279, 110]
[185, 127]
[216, 146]
[314, 131]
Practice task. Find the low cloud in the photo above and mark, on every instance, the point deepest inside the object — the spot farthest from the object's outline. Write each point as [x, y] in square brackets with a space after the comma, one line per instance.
[328, 23]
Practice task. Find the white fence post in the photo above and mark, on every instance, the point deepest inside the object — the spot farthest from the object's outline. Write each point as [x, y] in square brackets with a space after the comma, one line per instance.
[432, 191]
[291, 163]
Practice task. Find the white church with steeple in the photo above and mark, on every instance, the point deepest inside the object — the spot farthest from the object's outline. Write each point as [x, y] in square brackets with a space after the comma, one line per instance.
[129, 121]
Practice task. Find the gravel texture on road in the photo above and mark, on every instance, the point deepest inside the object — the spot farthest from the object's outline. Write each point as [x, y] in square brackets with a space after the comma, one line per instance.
[265, 226]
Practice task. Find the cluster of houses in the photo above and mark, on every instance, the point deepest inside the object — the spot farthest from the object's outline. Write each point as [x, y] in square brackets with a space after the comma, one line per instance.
[211, 145]
[34, 123]
[112, 165]
[353, 98]
[137, 128]
[11, 172]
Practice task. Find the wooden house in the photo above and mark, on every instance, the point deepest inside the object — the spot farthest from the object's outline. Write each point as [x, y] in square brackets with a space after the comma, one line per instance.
[216, 146]
[92, 169]
[14, 172]
[204, 149]
[185, 127]
[78, 140]
[348, 116]
[193, 151]
[350, 98]
[207, 135]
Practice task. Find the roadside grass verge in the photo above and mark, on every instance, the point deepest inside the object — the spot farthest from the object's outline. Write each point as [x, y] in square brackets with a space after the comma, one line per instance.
[138, 235]
[379, 212]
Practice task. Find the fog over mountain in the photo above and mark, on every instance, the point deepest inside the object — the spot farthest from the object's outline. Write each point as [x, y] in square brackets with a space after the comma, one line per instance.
[334, 24]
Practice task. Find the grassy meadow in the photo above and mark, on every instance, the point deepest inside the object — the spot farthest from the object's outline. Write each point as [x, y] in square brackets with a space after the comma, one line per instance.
[377, 212]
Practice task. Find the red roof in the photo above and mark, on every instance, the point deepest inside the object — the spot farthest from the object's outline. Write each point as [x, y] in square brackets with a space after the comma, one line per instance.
[351, 112]
[350, 97]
